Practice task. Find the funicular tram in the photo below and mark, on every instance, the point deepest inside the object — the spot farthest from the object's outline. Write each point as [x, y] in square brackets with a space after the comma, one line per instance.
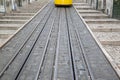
[63, 2]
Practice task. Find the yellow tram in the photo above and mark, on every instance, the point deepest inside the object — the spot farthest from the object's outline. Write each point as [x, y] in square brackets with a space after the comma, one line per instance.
[63, 2]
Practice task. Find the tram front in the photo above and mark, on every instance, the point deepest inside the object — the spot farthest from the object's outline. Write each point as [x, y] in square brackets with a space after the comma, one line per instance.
[63, 2]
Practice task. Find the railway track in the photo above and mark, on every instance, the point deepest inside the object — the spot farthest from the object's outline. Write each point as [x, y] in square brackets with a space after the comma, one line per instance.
[55, 45]
[24, 41]
[105, 30]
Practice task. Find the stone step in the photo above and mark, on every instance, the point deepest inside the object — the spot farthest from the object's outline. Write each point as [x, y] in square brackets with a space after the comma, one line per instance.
[16, 17]
[83, 8]
[89, 11]
[106, 29]
[8, 28]
[94, 16]
[114, 52]
[113, 43]
[79, 1]
[105, 25]
[30, 7]
[7, 32]
[4, 36]
[11, 25]
[101, 21]
[12, 21]
[80, 4]
[108, 38]
[33, 8]
[2, 41]
[27, 11]
[21, 14]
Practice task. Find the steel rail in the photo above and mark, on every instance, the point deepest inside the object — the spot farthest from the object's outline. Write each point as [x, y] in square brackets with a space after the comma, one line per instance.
[70, 24]
[79, 46]
[84, 56]
[70, 50]
[48, 52]
[45, 49]
[108, 57]
[58, 37]
[25, 41]
[32, 47]
[83, 53]
[75, 77]
[57, 52]
[58, 45]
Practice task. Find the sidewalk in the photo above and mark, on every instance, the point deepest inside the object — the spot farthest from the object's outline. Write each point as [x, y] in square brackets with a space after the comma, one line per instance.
[12, 22]
[105, 29]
